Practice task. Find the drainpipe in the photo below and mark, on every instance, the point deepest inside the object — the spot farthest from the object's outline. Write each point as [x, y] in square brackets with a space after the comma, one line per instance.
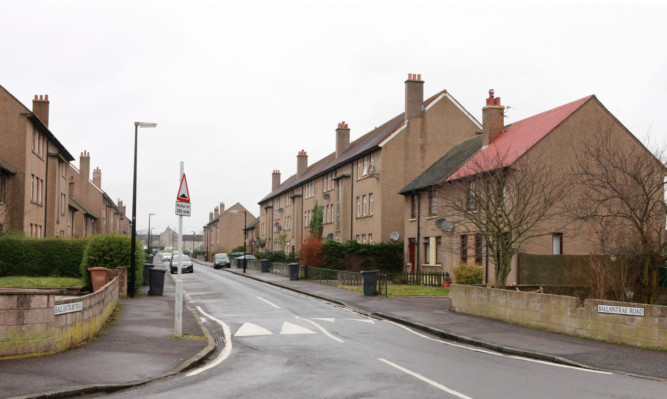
[419, 243]
[353, 208]
[46, 185]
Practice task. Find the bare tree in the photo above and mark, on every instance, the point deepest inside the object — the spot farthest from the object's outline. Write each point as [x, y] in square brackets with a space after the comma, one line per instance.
[508, 203]
[621, 193]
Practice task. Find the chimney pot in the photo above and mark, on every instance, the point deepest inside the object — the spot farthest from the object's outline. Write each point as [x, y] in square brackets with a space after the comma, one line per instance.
[301, 163]
[493, 115]
[342, 138]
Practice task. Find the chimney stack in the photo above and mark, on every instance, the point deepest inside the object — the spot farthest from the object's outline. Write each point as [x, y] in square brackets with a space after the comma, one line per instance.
[493, 118]
[342, 138]
[222, 207]
[414, 96]
[275, 179]
[301, 163]
[216, 213]
[40, 107]
[84, 165]
[97, 177]
[210, 216]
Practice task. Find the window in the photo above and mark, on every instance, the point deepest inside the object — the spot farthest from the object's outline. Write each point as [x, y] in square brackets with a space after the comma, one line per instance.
[427, 250]
[365, 205]
[413, 206]
[358, 169]
[36, 188]
[363, 238]
[70, 218]
[478, 248]
[358, 238]
[63, 203]
[38, 143]
[331, 217]
[557, 243]
[438, 250]
[365, 166]
[371, 168]
[288, 199]
[370, 238]
[370, 204]
[358, 207]
[472, 201]
[464, 248]
[432, 203]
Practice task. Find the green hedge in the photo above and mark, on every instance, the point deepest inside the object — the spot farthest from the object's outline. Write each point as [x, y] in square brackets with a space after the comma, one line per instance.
[111, 251]
[387, 257]
[21, 256]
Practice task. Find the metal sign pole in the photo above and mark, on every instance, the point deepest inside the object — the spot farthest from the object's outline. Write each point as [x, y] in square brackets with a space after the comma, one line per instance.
[178, 305]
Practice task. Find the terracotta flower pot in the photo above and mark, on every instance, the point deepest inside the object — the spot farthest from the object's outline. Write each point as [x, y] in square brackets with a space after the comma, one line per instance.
[445, 284]
[98, 276]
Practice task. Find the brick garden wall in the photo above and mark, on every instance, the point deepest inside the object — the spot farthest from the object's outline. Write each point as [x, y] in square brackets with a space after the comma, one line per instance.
[28, 324]
[564, 314]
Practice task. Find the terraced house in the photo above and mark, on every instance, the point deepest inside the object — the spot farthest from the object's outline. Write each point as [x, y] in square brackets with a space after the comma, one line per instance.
[37, 181]
[357, 184]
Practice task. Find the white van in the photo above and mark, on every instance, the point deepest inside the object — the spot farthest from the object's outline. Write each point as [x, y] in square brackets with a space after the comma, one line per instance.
[221, 260]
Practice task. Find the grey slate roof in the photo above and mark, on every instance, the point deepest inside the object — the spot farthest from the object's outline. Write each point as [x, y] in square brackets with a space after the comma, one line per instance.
[445, 166]
[363, 145]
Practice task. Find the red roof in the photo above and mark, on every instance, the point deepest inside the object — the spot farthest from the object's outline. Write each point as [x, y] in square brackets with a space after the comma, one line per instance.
[516, 139]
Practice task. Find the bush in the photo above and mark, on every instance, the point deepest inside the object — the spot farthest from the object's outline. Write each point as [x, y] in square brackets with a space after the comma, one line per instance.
[311, 252]
[57, 257]
[469, 274]
[111, 251]
[388, 257]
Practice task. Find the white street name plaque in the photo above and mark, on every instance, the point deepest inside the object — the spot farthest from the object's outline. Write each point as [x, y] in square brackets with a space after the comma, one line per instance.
[182, 208]
[624, 310]
[68, 308]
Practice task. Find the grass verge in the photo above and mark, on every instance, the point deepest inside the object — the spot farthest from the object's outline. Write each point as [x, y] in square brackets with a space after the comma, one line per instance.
[406, 290]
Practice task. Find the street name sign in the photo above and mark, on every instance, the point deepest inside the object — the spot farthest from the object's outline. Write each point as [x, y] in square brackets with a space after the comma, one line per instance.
[182, 208]
[623, 310]
[68, 308]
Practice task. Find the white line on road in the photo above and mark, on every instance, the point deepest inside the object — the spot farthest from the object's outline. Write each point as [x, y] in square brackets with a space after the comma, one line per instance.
[225, 351]
[321, 329]
[499, 354]
[428, 381]
[262, 299]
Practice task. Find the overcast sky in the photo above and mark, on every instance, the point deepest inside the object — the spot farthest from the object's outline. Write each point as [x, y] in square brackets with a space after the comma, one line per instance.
[238, 88]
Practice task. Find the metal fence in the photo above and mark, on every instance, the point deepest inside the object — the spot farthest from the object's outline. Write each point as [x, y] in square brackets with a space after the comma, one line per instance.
[423, 279]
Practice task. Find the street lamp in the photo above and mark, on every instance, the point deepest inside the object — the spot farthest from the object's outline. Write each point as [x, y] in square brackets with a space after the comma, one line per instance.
[149, 233]
[133, 244]
[245, 215]
[193, 243]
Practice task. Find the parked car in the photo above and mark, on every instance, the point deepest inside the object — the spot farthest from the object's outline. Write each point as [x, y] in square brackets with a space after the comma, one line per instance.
[221, 260]
[186, 264]
[166, 256]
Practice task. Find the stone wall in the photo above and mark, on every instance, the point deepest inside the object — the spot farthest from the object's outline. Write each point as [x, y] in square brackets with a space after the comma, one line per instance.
[565, 314]
[29, 324]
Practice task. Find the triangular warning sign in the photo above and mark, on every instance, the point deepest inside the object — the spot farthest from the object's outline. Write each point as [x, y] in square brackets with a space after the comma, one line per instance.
[183, 193]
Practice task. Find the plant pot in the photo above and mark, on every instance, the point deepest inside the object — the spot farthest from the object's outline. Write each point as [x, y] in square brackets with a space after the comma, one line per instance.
[98, 277]
[445, 284]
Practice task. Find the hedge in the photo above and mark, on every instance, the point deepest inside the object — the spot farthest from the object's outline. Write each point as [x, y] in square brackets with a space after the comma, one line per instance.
[56, 257]
[111, 251]
[387, 257]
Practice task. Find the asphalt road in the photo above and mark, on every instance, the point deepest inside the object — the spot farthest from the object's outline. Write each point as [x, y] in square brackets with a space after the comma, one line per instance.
[280, 344]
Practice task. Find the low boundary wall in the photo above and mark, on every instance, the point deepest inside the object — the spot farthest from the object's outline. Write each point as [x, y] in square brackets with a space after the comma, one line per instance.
[631, 323]
[42, 322]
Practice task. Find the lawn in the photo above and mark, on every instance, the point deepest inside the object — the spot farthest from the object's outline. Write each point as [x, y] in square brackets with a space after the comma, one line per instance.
[39, 282]
[406, 290]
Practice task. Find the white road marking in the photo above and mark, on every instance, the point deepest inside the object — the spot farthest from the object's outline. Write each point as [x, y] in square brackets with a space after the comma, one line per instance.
[499, 354]
[428, 381]
[327, 319]
[290, 329]
[225, 351]
[274, 305]
[251, 330]
[321, 329]
[364, 321]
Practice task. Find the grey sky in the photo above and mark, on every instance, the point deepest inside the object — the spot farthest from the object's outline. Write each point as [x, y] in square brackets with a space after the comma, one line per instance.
[238, 88]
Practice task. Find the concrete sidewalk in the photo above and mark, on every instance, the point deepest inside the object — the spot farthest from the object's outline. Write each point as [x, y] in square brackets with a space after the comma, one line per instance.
[137, 348]
[432, 314]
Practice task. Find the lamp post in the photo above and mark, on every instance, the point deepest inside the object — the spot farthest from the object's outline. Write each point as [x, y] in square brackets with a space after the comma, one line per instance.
[245, 256]
[193, 243]
[133, 244]
[149, 233]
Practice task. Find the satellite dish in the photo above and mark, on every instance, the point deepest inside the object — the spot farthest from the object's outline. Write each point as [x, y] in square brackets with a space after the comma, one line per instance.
[444, 225]
[325, 196]
[330, 236]
[394, 236]
[257, 240]
[276, 224]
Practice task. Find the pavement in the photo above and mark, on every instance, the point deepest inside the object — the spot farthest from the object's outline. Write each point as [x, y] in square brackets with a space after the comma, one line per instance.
[139, 346]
